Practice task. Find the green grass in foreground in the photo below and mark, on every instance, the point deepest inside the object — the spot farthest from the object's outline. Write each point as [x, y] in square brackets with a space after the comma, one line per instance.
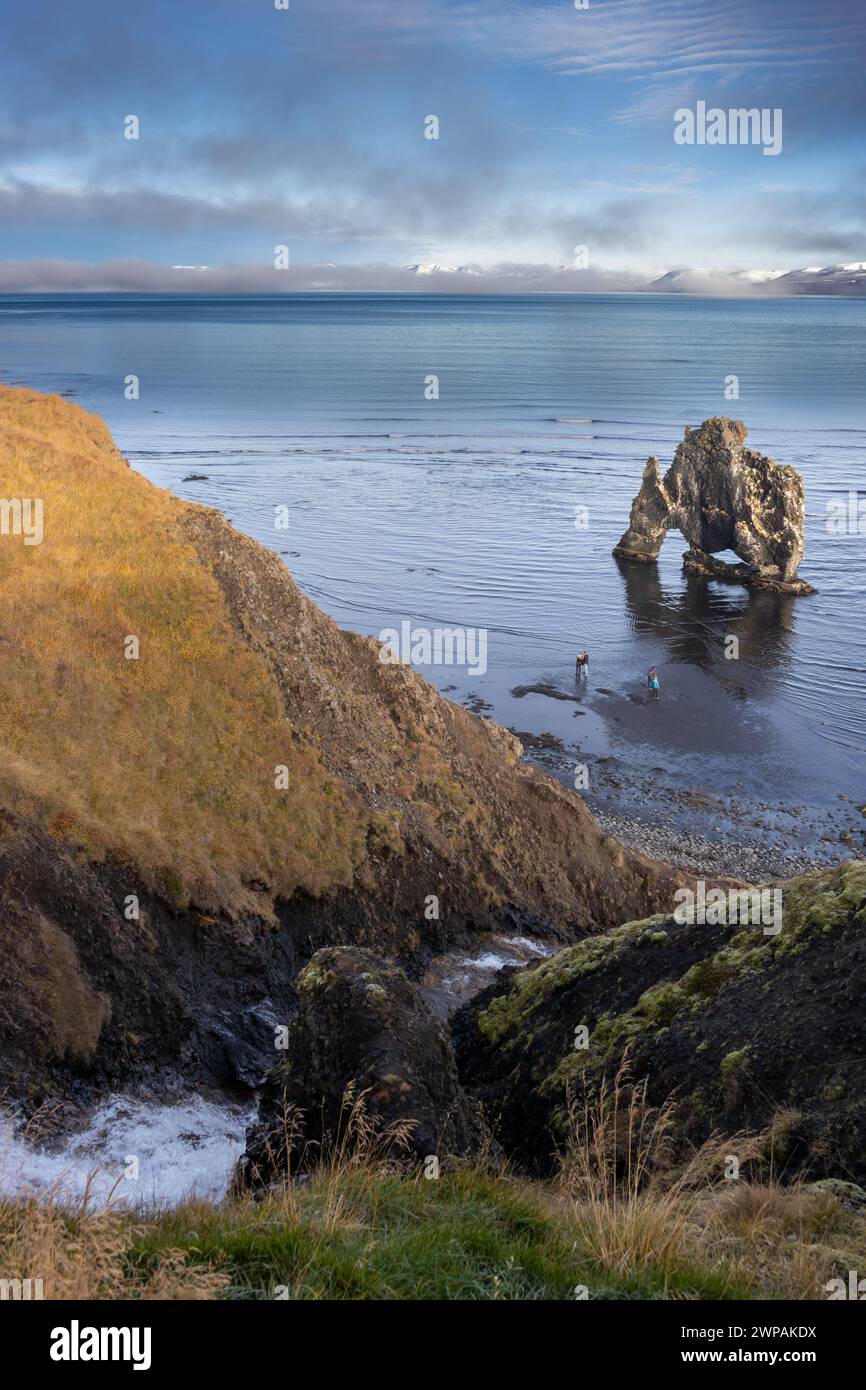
[369, 1234]
[464, 1236]
[618, 1221]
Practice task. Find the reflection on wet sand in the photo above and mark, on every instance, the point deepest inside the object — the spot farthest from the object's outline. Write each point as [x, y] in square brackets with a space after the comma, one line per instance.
[694, 622]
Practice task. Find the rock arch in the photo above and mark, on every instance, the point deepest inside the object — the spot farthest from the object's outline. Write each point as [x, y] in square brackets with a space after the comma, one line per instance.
[722, 496]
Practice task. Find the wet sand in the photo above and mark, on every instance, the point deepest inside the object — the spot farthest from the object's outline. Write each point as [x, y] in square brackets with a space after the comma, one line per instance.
[650, 802]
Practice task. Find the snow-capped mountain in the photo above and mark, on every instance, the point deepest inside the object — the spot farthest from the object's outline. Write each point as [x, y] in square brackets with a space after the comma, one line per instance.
[422, 268]
[813, 279]
[827, 279]
[705, 280]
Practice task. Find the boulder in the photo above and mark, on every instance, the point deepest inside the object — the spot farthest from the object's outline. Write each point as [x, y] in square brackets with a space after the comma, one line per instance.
[363, 1031]
[848, 1194]
[722, 496]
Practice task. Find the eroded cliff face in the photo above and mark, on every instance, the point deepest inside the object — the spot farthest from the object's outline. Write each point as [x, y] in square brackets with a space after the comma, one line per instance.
[450, 810]
[145, 840]
[722, 496]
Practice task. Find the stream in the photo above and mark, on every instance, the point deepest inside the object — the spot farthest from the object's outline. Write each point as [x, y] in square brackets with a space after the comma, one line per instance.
[145, 1154]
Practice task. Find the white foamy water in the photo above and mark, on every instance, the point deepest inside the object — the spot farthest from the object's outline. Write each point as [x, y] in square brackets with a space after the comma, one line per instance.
[489, 962]
[179, 1150]
[453, 978]
[144, 1153]
[528, 947]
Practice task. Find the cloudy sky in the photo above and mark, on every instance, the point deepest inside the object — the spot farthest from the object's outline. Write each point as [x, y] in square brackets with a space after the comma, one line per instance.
[305, 127]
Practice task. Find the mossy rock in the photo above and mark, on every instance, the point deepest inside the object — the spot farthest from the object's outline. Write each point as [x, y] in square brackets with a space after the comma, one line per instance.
[736, 1025]
[849, 1194]
[364, 1037]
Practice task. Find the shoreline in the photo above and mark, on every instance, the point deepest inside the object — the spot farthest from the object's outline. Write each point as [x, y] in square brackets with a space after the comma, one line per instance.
[690, 849]
[724, 835]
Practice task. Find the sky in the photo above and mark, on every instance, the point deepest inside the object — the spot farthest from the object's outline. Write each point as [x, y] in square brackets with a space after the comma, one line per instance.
[304, 127]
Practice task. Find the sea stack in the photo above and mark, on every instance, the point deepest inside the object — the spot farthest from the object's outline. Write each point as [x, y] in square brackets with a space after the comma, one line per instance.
[722, 496]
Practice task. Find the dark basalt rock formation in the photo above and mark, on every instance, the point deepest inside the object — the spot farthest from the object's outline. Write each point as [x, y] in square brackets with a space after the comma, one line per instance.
[363, 1031]
[722, 496]
[741, 1030]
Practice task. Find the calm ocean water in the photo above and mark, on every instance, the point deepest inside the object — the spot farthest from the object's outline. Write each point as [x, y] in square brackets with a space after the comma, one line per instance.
[460, 511]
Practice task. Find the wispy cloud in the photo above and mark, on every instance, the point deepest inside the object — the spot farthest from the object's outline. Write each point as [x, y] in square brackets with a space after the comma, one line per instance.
[306, 127]
[140, 276]
[663, 38]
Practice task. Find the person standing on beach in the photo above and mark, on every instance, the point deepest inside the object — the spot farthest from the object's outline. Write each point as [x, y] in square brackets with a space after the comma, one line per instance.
[652, 681]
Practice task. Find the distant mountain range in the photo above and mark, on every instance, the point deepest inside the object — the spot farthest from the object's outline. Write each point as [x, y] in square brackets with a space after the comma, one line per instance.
[814, 279]
[421, 277]
[847, 279]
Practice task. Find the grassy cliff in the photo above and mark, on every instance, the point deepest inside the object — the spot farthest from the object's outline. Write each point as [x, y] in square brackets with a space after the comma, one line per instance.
[134, 717]
[182, 727]
[160, 668]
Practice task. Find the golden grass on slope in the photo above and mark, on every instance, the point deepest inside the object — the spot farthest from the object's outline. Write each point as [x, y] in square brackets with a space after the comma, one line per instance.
[636, 1215]
[167, 760]
[83, 1254]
